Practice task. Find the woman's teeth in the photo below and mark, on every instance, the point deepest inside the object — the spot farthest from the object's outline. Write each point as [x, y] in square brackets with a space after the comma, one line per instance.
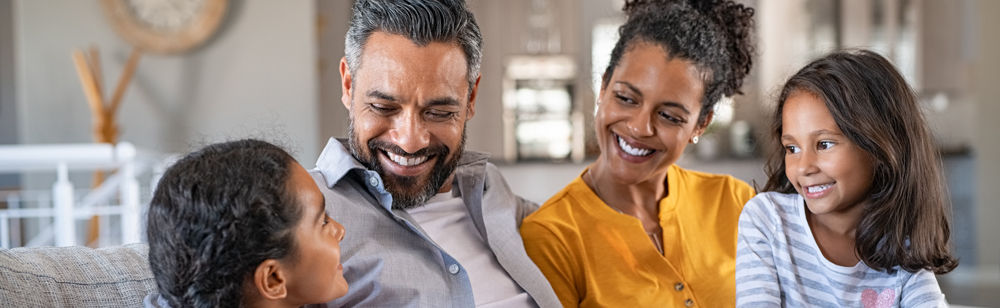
[818, 188]
[630, 150]
[406, 161]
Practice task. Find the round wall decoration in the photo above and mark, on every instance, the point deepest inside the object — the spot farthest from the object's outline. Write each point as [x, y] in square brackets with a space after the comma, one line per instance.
[165, 26]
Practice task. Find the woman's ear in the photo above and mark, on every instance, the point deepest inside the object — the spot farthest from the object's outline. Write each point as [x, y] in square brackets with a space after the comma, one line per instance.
[271, 280]
[704, 124]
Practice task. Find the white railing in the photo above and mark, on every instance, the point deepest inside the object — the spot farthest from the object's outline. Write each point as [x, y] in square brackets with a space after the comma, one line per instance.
[61, 204]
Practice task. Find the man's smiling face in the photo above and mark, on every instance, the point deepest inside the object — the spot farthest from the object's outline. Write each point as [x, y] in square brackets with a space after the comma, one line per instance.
[409, 105]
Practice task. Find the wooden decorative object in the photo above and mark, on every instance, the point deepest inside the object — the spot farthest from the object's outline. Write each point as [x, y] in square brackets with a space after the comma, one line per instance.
[165, 26]
[105, 128]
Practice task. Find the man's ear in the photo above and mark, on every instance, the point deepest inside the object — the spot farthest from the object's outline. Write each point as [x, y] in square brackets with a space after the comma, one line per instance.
[472, 99]
[345, 83]
[271, 280]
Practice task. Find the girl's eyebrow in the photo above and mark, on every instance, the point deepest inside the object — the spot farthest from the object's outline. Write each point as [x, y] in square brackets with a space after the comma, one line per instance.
[787, 137]
[826, 132]
[322, 210]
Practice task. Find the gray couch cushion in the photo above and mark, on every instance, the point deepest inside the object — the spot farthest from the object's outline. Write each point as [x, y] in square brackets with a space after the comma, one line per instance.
[75, 276]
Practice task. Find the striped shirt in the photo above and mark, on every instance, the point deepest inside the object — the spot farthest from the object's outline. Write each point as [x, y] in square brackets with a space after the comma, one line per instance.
[778, 264]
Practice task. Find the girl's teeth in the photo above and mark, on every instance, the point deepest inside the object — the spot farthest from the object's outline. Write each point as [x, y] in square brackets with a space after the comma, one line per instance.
[406, 161]
[814, 189]
[630, 150]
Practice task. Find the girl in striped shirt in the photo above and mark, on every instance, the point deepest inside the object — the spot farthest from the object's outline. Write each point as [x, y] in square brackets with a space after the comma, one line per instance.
[855, 212]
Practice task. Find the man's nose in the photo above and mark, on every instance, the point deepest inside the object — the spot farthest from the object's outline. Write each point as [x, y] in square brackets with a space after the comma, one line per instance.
[410, 132]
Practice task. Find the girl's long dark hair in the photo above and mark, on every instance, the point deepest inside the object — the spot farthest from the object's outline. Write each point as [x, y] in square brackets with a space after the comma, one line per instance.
[906, 220]
[215, 216]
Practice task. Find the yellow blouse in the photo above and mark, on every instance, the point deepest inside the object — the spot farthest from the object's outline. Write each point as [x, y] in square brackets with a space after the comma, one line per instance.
[596, 257]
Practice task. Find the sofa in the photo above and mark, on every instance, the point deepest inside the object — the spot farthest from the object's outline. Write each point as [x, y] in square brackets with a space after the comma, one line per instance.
[116, 276]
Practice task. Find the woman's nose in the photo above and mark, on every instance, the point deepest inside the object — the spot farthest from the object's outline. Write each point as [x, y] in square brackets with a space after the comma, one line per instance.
[640, 124]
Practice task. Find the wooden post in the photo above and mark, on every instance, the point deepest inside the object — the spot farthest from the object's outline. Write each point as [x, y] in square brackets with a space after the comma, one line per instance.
[105, 128]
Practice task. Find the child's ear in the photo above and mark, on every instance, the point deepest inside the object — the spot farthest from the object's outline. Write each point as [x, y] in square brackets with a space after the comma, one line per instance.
[271, 280]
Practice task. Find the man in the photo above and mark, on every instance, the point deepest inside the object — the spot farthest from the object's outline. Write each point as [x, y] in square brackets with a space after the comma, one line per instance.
[428, 224]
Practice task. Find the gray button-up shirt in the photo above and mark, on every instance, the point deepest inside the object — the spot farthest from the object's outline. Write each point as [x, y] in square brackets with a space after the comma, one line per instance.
[389, 261]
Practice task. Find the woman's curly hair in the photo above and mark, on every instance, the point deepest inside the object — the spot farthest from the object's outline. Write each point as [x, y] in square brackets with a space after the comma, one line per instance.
[215, 216]
[715, 35]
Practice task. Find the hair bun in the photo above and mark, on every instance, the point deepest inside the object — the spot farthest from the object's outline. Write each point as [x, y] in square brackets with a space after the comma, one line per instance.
[634, 6]
[733, 19]
[736, 21]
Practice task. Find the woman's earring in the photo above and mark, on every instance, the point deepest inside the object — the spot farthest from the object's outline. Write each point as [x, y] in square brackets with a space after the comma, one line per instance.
[694, 139]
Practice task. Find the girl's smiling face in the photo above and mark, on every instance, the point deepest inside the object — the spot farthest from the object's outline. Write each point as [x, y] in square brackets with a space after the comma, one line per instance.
[316, 274]
[832, 173]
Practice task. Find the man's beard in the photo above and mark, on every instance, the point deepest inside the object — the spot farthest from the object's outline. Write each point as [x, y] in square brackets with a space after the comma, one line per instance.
[407, 191]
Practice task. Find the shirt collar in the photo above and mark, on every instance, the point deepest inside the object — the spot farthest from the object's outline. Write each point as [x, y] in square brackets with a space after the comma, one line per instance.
[336, 160]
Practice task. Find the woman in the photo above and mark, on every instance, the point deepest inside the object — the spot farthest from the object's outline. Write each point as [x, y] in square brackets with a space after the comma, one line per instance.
[634, 230]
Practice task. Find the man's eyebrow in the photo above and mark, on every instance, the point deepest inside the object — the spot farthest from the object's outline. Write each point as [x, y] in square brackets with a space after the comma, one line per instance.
[381, 95]
[443, 101]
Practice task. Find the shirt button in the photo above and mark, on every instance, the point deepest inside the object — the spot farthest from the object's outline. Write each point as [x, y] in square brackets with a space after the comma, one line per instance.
[373, 181]
[688, 303]
[679, 286]
[453, 269]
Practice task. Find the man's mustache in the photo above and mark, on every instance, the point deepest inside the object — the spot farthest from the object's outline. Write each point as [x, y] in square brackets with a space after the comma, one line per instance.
[389, 147]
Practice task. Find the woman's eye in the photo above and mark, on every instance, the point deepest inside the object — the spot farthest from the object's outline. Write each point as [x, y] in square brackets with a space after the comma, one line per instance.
[670, 118]
[326, 219]
[791, 149]
[624, 99]
[823, 145]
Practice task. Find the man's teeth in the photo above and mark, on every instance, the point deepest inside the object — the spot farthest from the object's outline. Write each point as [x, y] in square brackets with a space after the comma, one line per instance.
[632, 151]
[406, 161]
[818, 188]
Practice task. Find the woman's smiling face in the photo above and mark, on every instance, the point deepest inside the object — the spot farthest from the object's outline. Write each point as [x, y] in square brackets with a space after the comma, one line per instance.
[832, 173]
[648, 113]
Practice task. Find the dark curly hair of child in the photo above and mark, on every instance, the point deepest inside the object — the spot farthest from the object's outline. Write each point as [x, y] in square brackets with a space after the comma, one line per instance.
[215, 216]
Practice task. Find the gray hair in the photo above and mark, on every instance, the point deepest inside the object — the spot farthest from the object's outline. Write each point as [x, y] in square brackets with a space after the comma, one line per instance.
[423, 22]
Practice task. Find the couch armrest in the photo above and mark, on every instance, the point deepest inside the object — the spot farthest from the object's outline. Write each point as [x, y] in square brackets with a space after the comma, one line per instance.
[77, 276]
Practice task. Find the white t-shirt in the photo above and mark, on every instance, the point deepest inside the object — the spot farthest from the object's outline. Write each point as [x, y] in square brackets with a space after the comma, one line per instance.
[779, 264]
[447, 222]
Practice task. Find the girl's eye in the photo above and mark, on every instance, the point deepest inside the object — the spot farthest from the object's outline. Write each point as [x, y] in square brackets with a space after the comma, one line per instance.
[823, 145]
[326, 219]
[791, 149]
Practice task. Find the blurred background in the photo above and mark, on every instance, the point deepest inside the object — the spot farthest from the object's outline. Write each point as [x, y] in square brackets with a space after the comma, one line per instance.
[213, 70]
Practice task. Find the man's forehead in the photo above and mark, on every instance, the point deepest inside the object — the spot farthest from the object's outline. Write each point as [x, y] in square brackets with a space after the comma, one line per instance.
[381, 45]
[393, 64]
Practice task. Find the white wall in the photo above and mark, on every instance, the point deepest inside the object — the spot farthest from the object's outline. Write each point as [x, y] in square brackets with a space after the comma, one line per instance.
[333, 20]
[257, 77]
[8, 107]
[986, 144]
